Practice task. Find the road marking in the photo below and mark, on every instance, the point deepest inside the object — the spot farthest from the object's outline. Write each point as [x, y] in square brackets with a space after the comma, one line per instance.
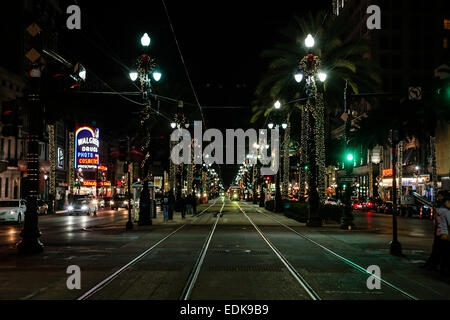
[297, 276]
[194, 275]
[347, 261]
[106, 281]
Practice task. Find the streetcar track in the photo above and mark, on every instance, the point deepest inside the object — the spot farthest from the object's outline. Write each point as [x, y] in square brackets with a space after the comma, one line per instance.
[187, 290]
[98, 287]
[297, 276]
[345, 260]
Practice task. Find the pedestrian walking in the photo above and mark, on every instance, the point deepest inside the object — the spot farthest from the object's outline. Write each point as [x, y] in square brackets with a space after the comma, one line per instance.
[165, 206]
[189, 204]
[183, 207]
[171, 204]
[194, 204]
[445, 242]
[436, 251]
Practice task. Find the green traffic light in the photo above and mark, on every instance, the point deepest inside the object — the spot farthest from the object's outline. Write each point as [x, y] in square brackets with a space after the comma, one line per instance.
[350, 157]
[306, 167]
[344, 186]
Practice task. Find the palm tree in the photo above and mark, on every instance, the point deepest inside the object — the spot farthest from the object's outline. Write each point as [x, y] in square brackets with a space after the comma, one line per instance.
[343, 60]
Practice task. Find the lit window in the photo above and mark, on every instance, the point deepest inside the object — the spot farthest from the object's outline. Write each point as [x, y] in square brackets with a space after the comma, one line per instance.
[447, 24]
[445, 43]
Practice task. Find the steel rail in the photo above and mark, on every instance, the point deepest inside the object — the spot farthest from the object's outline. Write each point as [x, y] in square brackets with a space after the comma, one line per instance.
[113, 276]
[347, 261]
[187, 290]
[297, 276]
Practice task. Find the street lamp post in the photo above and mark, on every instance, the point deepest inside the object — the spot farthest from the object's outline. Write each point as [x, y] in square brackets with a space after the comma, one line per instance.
[30, 233]
[146, 67]
[312, 127]
[347, 219]
[395, 247]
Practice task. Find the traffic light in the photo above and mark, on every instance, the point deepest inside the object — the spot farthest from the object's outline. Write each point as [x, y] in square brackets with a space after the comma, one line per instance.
[349, 161]
[268, 178]
[443, 89]
[123, 149]
[10, 118]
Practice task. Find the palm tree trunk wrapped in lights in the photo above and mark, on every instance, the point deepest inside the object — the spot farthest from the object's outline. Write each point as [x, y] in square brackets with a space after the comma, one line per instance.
[172, 170]
[399, 172]
[433, 168]
[320, 145]
[71, 166]
[370, 167]
[52, 173]
[191, 168]
[287, 139]
[304, 151]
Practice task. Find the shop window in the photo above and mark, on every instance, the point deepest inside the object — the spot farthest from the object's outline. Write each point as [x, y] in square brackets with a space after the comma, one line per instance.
[16, 188]
[447, 24]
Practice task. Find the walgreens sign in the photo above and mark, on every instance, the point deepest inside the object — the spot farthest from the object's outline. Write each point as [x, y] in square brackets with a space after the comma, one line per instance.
[87, 146]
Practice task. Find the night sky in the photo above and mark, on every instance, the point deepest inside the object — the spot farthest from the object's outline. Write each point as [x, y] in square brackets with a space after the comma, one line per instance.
[220, 41]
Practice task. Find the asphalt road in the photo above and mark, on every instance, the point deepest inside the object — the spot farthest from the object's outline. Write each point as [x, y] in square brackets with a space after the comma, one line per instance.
[232, 250]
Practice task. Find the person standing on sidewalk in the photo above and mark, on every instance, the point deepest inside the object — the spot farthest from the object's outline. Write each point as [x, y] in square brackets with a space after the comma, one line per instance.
[171, 204]
[183, 203]
[189, 204]
[194, 204]
[435, 257]
[445, 243]
[165, 206]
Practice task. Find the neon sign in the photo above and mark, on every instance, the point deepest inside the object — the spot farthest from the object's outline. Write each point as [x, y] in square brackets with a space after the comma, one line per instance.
[89, 183]
[388, 172]
[87, 145]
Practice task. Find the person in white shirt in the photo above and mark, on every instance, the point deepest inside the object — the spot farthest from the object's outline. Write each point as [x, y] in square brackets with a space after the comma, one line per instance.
[445, 241]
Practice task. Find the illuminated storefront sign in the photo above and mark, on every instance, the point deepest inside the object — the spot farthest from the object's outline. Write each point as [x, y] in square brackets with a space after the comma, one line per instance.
[87, 145]
[158, 182]
[60, 158]
[89, 183]
[388, 172]
[104, 184]
[102, 168]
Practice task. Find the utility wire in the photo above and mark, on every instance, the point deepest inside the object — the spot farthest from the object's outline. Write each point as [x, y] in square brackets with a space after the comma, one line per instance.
[184, 64]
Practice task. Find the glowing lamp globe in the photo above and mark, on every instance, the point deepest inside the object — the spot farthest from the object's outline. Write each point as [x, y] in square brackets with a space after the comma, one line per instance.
[309, 41]
[145, 40]
[133, 75]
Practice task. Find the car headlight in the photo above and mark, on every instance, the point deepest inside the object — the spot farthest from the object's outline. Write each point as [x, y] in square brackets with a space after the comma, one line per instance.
[84, 207]
[12, 212]
[70, 208]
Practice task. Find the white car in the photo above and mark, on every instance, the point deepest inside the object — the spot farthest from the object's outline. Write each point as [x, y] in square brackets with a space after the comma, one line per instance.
[82, 204]
[12, 210]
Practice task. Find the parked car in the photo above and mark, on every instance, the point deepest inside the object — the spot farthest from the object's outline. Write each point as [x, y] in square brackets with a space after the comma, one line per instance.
[332, 201]
[372, 204]
[105, 202]
[12, 210]
[42, 207]
[121, 201]
[385, 207]
[82, 204]
[358, 205]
